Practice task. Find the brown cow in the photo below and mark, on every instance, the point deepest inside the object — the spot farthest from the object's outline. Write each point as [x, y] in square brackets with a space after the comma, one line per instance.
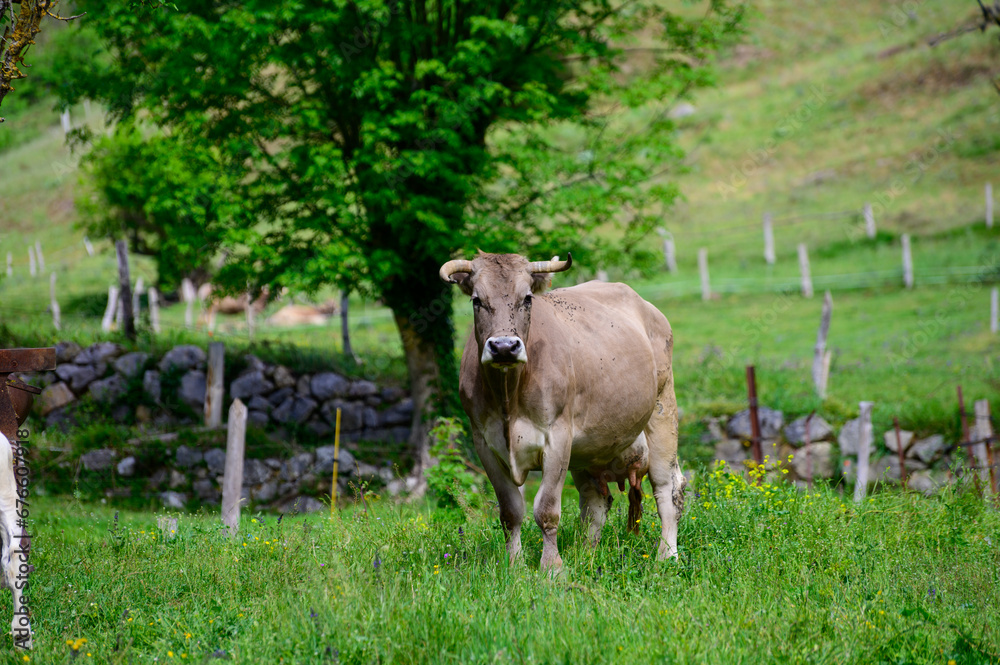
[576, 379]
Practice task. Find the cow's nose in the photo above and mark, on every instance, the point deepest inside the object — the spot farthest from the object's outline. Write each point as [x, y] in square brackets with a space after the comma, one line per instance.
[504, 347]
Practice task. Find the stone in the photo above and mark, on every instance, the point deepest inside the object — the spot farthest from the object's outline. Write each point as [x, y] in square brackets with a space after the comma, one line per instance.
[273, 463]
[927, 482]
[126, 467]
[279, 396]
[98, 460]
[850, 437]
[318, 427]
[108, 390]
[295, 467]
[151, 384]
[183, 357]
[819, 430]
[296, 409]
[78, 377]
[352, 414]
[398, 414]
[173, 500]
[682, 110]
[55, 397]
[99, 352]
[131, 364]
[259, 403]
[714, 430]
[265, 492]
[192, 389]
[258, 419]
[386, 474]
[255, 472]
[926, 450]
[912, 466]
[304, 386]
[66, 352]
[324, 461]
[307, 504]
[905, 436]
[395, 487]
[64, 419]
[819, 460]
[121, 412]
[254, 364]
[215, 458]
[365, 470]
[177, 479]
[250, 384]
[373, 400]
[282, 377]
[769, 419]
[326, 385]
[371, 418]
[363, 388]
[187, 456]
[392, 394]
[732, 452]
[206, 490]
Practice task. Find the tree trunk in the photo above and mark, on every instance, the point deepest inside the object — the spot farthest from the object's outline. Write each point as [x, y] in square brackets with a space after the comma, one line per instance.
[425, 374]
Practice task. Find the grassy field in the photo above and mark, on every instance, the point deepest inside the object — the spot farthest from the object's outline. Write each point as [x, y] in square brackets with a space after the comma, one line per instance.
[766, 574]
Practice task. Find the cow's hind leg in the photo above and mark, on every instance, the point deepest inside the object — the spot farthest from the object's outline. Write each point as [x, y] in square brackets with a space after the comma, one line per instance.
[664, 470]
[594, 504]
[510, 497]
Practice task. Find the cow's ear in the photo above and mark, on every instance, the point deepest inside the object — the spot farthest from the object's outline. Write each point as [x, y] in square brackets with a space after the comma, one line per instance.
[462, 281]
[541, 282]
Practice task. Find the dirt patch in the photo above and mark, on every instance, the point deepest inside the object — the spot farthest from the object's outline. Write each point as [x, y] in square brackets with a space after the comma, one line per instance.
[742, 56]
[936, 76]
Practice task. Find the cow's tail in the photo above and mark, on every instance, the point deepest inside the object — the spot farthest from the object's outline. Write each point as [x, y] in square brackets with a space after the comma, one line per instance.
[634, 508]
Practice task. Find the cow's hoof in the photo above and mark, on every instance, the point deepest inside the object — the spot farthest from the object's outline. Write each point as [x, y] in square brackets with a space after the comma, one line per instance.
[553, 566]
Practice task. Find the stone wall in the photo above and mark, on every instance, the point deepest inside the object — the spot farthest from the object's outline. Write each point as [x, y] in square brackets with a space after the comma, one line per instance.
[926, 460]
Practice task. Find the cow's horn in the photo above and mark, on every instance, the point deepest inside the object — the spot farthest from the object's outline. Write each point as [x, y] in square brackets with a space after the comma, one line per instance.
[551, 266]
[450, 268]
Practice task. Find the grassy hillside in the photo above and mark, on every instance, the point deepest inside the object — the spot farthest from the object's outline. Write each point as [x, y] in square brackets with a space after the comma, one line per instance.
[810, 121]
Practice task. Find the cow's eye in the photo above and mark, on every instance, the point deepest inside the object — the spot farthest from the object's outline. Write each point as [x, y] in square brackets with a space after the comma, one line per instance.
[476, 303]
[527, 300]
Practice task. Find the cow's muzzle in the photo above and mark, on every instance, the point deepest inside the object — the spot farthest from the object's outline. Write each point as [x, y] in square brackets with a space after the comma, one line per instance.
[504, 352]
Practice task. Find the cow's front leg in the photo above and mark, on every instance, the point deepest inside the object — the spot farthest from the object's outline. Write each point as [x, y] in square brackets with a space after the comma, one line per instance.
[548, 501]
[510, 497]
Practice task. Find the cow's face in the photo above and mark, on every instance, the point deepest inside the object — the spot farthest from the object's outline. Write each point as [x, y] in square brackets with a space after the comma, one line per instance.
[502, 287]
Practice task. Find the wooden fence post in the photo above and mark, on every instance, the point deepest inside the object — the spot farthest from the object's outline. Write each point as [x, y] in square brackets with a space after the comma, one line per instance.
[869, 221]
[53, 304]
[806, 278]
[40, 256]
[984, 450]
[995, 310]
[109, 312]
[188, 294]
[67, 125]
[232, 482]
[768, 239]
[251, 324]
[10, 264]
[88, 246]
[32, 270]
[669, 249]
[125, 286]
[820, 359]
[154, 309]
[907, 262]
[864, 451]
[706, 288]
[989, 205]
[140, 286]
[214, 384]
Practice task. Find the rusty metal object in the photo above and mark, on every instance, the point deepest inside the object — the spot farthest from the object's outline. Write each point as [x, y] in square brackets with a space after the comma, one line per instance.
[14, 409]
[754, 420]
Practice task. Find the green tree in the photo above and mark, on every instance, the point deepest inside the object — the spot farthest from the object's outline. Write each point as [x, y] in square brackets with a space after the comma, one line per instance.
[386, 136]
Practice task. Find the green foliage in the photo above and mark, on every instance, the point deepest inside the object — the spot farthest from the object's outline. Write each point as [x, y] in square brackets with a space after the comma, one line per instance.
[169, 195]
[453, 484]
